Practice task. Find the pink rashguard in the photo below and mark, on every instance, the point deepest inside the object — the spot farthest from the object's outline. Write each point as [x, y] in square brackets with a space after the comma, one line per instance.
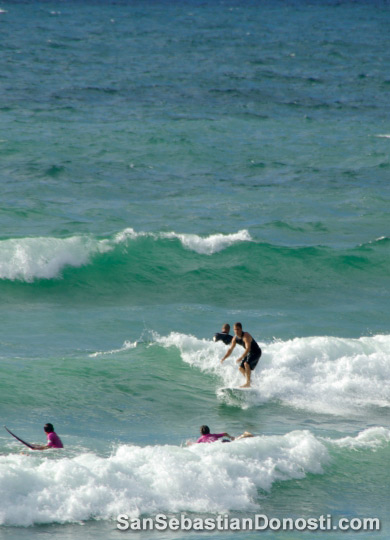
[210, 437]
[53, 440]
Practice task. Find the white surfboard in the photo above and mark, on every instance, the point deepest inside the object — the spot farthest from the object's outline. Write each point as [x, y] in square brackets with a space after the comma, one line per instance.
[236, 389]
[236, 394]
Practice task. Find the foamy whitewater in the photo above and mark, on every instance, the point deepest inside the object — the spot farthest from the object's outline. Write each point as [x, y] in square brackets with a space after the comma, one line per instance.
[153, 479]
[28, 259]
[320, 374]
[168, 167]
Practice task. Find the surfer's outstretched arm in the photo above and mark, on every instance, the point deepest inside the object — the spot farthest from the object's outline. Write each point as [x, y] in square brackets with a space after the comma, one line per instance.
[53, 440]
[230, 350]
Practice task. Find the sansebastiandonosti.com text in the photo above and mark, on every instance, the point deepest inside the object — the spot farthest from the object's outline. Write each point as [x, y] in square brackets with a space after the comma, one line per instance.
[259, 522]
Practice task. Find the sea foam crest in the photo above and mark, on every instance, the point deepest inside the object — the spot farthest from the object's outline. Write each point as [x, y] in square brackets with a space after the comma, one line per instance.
[127, 345]
[201, 478]
[322, 374]
[371, 438]
[147, 480]
[27, 259]
[202, 245]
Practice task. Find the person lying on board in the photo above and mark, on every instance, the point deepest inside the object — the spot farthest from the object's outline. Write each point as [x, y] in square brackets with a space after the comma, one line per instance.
[224, 335]
[207, 437]
[53, 440]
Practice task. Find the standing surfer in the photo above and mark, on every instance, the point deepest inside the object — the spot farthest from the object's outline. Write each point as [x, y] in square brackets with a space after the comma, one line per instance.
[249, 359]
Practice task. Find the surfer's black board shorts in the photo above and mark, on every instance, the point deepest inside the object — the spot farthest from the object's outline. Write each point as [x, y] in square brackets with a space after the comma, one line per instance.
[252, 359]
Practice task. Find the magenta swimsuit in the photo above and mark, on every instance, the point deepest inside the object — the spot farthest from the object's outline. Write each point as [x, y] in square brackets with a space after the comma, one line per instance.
[210, 437]
[53, 440]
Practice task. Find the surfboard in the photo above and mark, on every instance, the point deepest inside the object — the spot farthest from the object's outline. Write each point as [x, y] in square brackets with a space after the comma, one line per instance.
[29, 445]
[236, 392]
[236, 389]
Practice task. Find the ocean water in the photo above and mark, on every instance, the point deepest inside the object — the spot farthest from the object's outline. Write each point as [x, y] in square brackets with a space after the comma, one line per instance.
[167, 167]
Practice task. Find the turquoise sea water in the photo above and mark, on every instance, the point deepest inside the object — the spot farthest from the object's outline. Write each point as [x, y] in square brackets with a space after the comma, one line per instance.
[167, 167]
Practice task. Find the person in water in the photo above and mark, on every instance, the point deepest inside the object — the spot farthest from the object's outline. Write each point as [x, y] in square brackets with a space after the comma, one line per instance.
[249, 359]
[207, 437]
[224, 335]
[53, 440]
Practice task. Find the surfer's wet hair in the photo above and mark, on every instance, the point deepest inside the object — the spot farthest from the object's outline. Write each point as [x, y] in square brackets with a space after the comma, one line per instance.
[205, 430]
[238, 324]
[48, 428]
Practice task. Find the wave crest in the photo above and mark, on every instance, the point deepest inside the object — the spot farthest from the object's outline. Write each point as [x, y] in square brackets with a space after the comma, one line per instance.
[152, 479]
[202, 245]
[28, 259]
[322, 374]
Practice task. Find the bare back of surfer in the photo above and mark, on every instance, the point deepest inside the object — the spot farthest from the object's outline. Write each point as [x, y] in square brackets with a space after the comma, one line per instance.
[249, 359]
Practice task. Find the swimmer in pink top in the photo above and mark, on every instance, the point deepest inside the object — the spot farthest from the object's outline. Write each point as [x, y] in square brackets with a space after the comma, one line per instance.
[208, 437]
[53, 440]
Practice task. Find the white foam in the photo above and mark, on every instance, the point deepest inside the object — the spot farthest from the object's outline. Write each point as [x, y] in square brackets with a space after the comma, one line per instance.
[125, 347]
[321, 374]
[202, 245]
[129, 233]
[371, 438]
[27, 259]
[133, 480]
[201, 478]
[211, 244]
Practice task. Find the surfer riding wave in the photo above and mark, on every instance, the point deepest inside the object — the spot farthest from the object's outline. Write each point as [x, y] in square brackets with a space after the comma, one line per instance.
[249, 359]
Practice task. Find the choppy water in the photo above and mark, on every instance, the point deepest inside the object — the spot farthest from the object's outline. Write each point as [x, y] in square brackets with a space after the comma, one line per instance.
[167, 167]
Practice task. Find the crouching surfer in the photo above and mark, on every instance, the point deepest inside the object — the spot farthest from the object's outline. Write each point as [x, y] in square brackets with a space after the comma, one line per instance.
[249, 359]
